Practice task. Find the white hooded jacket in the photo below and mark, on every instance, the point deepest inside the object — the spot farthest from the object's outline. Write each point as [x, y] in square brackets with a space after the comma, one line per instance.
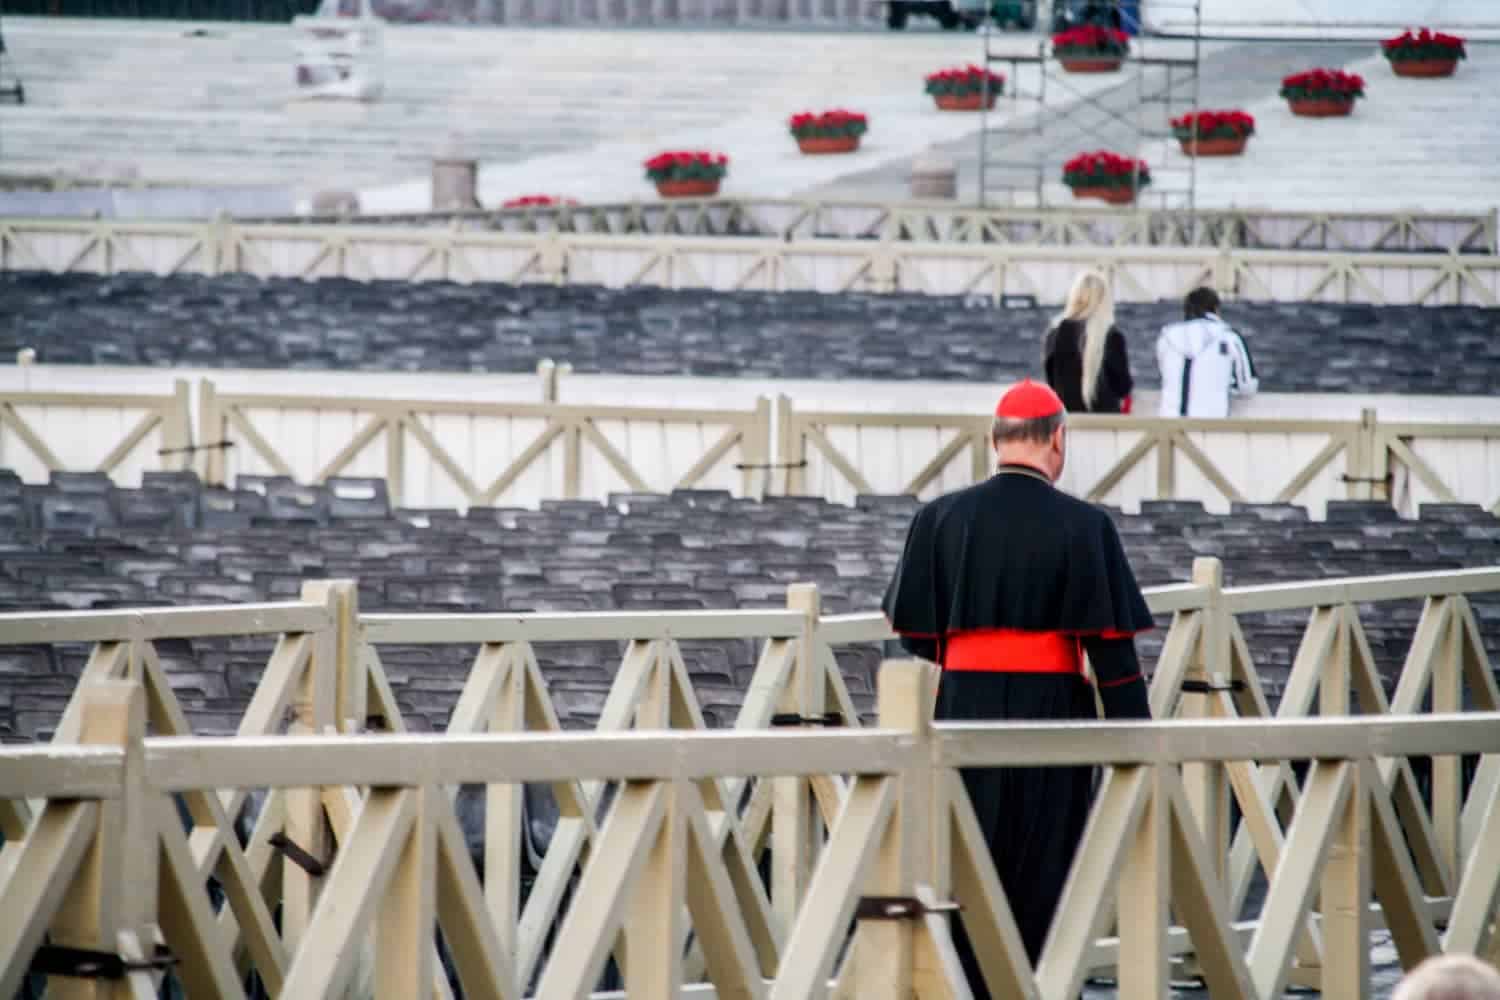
[1203, 362]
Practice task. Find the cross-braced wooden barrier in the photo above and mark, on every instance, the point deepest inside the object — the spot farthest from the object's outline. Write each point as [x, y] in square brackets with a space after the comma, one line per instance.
[721, 263]
[477, 453]
[357, 835]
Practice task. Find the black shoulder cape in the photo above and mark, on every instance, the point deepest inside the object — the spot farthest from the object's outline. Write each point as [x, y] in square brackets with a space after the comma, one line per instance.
[1013, 552]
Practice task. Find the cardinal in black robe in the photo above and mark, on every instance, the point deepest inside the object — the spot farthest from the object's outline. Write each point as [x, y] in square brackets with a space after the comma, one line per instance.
[1006, 585]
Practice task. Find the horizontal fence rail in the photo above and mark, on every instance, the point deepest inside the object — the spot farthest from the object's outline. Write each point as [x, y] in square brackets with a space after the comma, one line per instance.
[356, 838]
[461, 454]
[1041, 273]
[946, 222]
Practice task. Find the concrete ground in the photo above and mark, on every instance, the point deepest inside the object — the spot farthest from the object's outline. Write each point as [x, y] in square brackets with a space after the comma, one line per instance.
[573, 112]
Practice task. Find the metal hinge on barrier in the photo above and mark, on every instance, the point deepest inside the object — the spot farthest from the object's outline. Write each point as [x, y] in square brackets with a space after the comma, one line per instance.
[84, 963]
[1209, 687]
[899, 908]
[793, 719]
[297, 855]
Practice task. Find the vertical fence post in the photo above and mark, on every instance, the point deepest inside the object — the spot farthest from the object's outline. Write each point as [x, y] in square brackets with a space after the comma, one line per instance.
[755, 452]
[351, 683]
[1166, 465]
[794, 821]
[1346, 892]
[885, 950]
[1447, 775]
[395, 460]
[1145, 885]
[210, 433]
[981, 455]
[114, 893]
[177, 429]
[314, 710]
[1206, 783]
[789, 451]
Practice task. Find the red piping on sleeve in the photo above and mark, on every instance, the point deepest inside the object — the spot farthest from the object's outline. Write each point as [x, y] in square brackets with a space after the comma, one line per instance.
[1122, 681]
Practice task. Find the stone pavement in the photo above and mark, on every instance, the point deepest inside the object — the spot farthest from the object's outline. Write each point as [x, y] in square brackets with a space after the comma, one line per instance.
[574, 111]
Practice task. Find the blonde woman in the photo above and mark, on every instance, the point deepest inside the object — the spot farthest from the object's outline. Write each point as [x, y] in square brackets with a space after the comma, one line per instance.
[1083, 353]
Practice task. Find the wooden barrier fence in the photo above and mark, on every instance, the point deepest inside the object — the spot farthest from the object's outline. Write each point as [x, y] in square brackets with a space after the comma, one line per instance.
[356, 834]
[946, 222]
[459, 454]
[734, 263]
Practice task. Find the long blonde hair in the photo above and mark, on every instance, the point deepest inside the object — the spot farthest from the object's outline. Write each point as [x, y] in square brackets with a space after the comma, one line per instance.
[1090, 302]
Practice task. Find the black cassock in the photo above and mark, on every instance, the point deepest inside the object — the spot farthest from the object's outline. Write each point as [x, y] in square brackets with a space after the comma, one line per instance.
[1014, 555]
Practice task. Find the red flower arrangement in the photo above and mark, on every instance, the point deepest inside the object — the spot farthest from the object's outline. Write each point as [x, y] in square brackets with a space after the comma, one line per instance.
[1108, 176]
[1423, 53]
[538, 201]
[686, 174]
[1213, 133]
[1322, 93]
[836, 131]
[1090, 48]
[964, 88]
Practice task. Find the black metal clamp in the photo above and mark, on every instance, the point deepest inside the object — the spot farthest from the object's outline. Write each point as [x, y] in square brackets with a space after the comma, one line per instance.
[771, 465]
[1209, 687]
[297, 855]
[793, 719]
[193, 449]
[899, 908]
[85, 963]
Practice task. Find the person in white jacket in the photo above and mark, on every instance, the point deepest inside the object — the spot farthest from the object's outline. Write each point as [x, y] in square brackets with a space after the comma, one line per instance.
[1203, 361]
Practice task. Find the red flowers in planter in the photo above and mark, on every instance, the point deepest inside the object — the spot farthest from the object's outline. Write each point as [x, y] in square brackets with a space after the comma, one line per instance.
[1213, 133]
[829, 124]
[1423, 53]
[1423, 44]
[1090, 41]
[1213, 125]
[1323, 83]
[537, 201]
[696, 165]
[964, 88]
[836, 131]
[1106, 175]
[687, 174]
[963, 80]
[1322, 93]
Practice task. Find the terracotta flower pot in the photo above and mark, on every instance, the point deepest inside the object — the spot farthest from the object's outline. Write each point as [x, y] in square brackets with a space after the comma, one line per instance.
[1424, 67]
[965, 102]
[1103, 64]
[815, 145]
[1117, 195]
[691, 187]
[1320, 107]
[1222, 146]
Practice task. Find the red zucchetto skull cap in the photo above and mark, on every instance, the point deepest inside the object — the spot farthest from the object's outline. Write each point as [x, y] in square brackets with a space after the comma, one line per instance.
[1028, 400]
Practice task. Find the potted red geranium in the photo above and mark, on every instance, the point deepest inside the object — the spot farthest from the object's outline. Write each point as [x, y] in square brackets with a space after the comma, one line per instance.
[1107, 176]
[965, 88]
[687, 174]
[1213, 133]
[537, 201]
[1424, 53]
[1090, 49]
[1322, 93]
[836, 131]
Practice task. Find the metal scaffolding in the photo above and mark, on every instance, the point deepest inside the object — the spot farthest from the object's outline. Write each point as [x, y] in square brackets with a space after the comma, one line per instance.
[10, 86]
[1043, 117]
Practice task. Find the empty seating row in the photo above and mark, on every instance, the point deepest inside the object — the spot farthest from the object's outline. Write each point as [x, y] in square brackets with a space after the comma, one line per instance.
[244, 322]
[689, 549]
